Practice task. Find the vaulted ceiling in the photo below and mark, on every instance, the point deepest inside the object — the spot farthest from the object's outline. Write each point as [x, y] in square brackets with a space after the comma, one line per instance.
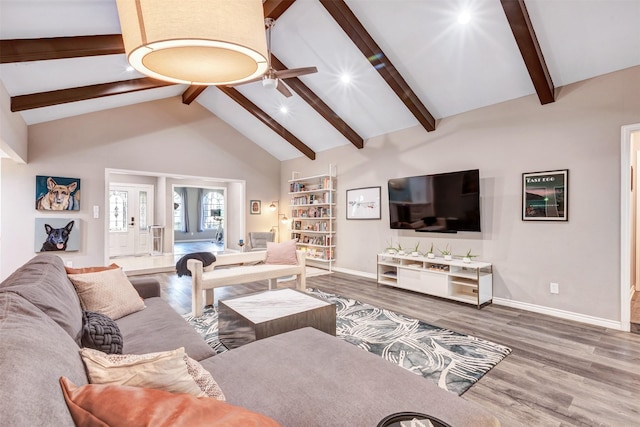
[383, 65]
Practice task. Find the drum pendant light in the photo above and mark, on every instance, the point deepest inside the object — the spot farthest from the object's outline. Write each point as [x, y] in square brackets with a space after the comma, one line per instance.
[200, 42]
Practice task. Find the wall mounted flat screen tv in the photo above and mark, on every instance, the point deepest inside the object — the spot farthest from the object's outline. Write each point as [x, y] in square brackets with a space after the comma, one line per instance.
[439, 203]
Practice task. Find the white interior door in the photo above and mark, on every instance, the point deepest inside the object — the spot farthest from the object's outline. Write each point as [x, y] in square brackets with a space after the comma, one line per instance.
[130, 215]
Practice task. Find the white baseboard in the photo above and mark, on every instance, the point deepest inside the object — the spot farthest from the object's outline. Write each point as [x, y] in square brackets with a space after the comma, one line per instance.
[563, 314]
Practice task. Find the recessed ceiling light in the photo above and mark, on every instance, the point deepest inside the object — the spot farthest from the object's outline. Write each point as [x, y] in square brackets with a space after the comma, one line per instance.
[464, 17]
[129, 68]
[345, 78]
[284, 109]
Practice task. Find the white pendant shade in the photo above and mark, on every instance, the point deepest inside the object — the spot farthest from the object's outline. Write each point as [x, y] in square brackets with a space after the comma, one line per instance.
[203, 42]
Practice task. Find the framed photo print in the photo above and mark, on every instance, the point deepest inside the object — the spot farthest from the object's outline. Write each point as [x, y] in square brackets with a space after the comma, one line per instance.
[363, 203]
[545, 196]
[254, 207]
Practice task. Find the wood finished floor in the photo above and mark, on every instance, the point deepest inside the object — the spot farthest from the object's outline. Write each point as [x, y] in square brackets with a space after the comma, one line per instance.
[560, 373]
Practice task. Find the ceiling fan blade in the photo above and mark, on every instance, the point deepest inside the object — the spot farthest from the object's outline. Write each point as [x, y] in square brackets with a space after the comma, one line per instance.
[295, 72]
[283, 89]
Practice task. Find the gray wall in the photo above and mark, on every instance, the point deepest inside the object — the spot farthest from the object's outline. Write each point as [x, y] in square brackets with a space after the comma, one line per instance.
[164, 137]
[580, 132]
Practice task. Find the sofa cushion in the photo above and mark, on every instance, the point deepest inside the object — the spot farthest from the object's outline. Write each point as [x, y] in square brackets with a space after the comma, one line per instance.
[34, 352]
[101, 332]
[43, 282]
[166, 370]
[112, 405]
[313, 371]
[282, 253]
[108, 292]
[161, 328]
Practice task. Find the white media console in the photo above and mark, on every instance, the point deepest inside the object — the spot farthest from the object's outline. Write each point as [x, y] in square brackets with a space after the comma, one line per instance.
[469, 282]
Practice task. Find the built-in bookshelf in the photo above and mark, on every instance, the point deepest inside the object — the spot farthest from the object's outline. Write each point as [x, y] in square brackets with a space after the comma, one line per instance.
[313, 216]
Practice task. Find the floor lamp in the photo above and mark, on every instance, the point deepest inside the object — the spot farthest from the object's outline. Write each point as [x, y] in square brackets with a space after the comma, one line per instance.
[283, 220]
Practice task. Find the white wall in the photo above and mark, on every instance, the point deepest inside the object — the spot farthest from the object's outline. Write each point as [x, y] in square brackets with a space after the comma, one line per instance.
[163, 137]
[13, 129]
[579, 132]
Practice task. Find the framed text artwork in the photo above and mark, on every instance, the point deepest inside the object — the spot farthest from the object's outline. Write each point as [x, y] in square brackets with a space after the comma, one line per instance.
[545, 196]
[254, 207]
[363, 203]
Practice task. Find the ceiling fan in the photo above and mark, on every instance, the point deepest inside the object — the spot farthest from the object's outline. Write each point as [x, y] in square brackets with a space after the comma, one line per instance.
[272, 78]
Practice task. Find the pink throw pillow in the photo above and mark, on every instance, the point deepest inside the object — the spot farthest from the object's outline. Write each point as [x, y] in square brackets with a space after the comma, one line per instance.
[282, 253]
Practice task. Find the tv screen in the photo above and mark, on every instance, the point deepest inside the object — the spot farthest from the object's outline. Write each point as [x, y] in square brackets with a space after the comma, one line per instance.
[445, 202]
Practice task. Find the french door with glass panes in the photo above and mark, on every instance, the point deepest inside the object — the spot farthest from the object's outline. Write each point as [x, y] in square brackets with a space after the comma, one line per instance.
[130, 215]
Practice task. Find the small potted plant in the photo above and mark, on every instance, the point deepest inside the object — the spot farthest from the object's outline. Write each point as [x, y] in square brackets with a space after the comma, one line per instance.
[467, 257]
[446, 253]
[430, 253]
[415, 251]
[400, 250]
[390, 249]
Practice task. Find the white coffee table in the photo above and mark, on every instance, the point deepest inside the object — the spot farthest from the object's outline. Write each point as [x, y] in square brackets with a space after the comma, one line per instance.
[248, 318]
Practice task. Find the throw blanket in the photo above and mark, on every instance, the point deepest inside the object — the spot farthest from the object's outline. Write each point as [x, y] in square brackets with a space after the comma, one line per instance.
[207, 258]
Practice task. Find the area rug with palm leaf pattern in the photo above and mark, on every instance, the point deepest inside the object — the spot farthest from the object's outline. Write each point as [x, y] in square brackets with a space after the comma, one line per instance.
[452, 360]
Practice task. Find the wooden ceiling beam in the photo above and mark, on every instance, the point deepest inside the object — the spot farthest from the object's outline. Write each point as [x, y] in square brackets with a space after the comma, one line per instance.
[527, 42]
[268, 120]
[63, 96]
[192, 92]
[275, 8]
[319, 105]
[341, 13]
[22, 50]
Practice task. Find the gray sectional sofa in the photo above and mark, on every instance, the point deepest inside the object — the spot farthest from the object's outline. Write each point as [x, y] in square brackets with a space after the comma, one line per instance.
[301, 378]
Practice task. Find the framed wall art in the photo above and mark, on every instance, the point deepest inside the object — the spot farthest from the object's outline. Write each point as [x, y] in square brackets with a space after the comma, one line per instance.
[363, 203]
[54, 193]
[254, 207]
[57, 234]
[545, 196]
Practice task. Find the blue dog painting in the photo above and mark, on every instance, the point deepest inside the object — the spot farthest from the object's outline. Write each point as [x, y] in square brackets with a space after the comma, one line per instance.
[57, 234]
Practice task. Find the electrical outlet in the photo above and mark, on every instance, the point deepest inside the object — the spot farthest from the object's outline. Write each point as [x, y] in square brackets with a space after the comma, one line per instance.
[554, 288]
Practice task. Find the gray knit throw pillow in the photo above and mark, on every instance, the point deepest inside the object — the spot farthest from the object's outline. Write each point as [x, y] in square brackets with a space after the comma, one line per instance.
[100, 332]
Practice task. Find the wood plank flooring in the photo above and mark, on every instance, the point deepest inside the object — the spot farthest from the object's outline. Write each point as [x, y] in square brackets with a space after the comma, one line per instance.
[560, 373]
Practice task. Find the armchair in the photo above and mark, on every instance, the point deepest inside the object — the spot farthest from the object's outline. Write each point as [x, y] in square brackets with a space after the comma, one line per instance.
[258, 240]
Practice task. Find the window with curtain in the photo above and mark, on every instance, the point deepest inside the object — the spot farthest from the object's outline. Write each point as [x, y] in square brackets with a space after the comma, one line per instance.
[212, 209]
[178, 212]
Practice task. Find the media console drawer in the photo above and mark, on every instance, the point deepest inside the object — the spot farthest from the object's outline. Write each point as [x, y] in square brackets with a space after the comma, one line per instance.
[423, 281]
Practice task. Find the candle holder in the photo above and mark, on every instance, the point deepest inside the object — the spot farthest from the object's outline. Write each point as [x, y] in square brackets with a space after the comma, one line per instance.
[241, 244]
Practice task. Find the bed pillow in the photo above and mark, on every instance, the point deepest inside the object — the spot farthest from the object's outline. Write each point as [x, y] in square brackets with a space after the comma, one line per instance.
[101, 332]
[113, 405]
[282, 253]
[108, 292]
[171, 371]
[71, 270]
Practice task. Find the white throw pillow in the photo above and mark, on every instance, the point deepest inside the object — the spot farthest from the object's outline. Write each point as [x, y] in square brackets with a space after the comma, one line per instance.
[108, 292]
[171, 371]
